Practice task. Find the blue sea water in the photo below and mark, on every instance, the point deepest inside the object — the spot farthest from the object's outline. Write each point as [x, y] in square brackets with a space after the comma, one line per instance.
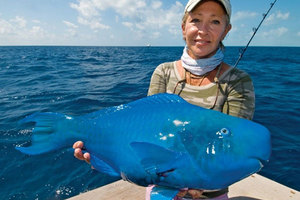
[78, 80]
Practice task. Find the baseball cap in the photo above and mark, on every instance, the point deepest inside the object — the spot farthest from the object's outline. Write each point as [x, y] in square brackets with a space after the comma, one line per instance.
[193, 3]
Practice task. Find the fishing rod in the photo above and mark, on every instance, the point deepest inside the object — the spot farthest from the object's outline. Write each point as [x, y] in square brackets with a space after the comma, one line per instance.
[255, 29]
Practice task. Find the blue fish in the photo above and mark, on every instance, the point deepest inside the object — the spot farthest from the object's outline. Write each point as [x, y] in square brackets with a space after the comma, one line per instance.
[161, 140]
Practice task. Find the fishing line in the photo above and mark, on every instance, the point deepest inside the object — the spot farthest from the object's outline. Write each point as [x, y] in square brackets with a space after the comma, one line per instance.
[255, 29]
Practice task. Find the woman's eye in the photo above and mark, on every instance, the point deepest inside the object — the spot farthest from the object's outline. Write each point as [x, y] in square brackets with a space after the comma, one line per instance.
[216, 22]
[195, 20]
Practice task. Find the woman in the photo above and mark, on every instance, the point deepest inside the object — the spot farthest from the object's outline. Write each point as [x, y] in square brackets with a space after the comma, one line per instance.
[200, 76]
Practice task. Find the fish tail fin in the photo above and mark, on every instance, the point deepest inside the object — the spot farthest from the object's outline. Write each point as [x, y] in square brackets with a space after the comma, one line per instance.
[51, 131]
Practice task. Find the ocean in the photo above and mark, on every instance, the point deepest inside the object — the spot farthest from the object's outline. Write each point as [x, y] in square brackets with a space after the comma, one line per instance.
[79, 80]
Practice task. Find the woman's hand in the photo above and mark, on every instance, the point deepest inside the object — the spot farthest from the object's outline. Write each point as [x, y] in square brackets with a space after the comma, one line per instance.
[196, 194]
[78, 147]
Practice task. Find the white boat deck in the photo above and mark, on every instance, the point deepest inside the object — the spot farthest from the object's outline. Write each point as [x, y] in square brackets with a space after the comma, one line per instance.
[255, 187]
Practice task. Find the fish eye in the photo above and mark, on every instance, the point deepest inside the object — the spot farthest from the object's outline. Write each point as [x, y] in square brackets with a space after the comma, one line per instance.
[224, 131]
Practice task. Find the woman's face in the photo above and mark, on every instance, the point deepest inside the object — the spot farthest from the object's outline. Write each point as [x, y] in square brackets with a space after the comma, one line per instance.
[205, 27]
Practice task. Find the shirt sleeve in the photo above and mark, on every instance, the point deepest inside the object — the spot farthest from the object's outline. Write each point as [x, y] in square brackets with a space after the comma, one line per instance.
[158, 83]
[241, 98]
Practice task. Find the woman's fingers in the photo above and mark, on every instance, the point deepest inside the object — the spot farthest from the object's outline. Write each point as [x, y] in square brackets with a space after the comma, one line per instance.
[196, 194]
[182, 193]
[78, 146]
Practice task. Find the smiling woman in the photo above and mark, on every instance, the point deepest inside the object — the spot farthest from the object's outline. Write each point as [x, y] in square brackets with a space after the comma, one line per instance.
[212, 22]
[201, 70]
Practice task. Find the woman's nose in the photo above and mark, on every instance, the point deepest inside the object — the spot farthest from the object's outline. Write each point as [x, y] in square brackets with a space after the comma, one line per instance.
[203, 28]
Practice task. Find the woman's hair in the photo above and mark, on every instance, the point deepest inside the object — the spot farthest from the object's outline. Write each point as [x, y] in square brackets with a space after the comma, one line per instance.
[185, 16]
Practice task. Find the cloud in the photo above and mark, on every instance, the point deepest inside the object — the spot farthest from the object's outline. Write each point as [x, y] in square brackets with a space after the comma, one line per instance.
[12, 26]
[282, 16]
[17, 31]
[128, 24]
[36, 21]
[69, 24]
[19, 21]
[71, 31]
[275, 32]
[137, 15]
[92, 23]
[243, 15]
[156, 35]
[5, 27]
[156, 4]
[37, 32]
[86, 8]
[91, 8]
[275, 17]
[156, 19]
[90, 12]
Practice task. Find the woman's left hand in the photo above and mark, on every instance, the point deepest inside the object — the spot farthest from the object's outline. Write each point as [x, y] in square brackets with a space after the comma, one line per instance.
[196, 194]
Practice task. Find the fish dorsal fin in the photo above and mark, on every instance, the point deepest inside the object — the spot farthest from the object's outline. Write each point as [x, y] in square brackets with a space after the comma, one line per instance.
[162, 98]
[157, 99]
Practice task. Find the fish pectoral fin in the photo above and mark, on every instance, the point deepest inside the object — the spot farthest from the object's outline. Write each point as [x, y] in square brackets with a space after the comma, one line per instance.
[163, 193]
[103, 167]
[155, 159]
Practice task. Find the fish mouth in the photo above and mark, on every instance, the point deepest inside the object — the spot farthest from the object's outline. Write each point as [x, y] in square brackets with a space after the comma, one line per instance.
[260, 161]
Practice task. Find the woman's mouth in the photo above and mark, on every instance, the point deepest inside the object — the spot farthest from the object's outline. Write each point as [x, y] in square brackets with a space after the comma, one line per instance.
[202, 42]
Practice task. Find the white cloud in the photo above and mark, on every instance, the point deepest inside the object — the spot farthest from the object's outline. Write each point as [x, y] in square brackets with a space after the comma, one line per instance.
[19, 21]
[136, 14]
[127, 8]
[15, 31]
[283, 16]
[156, 35]
[92, 23]
[69, 24]
[71, 31]
[243, 15]
[90, 8]
[5, 27]
[275, 32]
[86, 8]
[12, 26]
[275, 17]
[37, 32]
[36, 21]
[159, 19]
[156, 4]
[128, 24]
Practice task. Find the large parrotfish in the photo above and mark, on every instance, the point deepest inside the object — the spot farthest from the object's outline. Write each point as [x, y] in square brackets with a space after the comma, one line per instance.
[160, 140]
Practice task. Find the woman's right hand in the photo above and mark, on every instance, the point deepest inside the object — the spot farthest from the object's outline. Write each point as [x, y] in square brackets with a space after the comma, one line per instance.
[78, 147]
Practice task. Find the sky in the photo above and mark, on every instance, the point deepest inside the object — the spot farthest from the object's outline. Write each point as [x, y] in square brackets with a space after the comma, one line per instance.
[137, 22]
